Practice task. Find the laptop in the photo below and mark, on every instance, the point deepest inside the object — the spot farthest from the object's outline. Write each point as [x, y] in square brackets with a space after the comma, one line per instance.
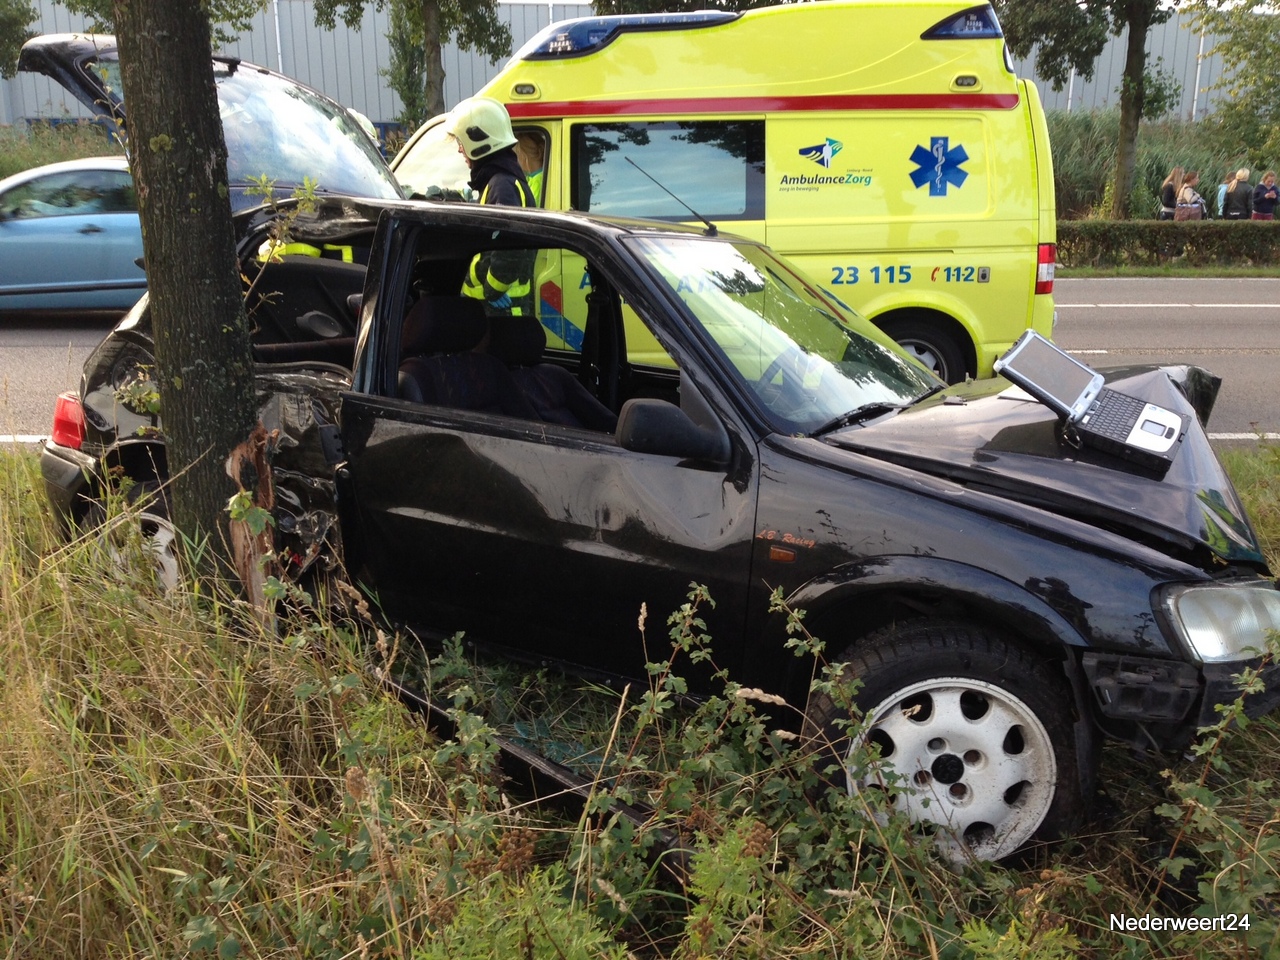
[1106, 419]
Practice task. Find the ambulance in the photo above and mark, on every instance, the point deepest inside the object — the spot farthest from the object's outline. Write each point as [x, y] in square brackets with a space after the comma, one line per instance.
[886, 148]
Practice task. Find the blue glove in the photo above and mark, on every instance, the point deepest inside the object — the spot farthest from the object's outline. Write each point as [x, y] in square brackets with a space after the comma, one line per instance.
[500, 302]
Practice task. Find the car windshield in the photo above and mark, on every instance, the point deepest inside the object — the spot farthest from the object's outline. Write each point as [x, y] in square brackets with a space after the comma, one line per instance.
[286, 132]
[811, 364]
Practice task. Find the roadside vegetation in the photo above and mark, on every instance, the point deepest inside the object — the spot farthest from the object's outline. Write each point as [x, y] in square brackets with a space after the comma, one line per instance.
[23, 147]
[176, 779]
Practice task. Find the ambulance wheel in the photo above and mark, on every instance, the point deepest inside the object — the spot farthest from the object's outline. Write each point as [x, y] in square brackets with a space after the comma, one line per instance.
[930, 344]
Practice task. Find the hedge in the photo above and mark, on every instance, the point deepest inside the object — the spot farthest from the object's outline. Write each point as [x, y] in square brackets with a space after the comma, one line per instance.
[1113, 243]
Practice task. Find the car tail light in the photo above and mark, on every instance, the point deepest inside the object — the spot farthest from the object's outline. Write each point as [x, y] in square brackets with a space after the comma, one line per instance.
[68, 421]
[1046, 261]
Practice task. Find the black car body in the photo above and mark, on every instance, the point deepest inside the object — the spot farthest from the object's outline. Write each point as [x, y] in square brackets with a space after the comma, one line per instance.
[949, 543]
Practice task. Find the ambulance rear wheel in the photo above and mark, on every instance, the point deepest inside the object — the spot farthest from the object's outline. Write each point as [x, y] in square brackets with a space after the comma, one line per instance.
[930, 344]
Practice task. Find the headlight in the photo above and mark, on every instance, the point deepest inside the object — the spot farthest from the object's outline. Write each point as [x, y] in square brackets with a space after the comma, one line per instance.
[1225, 621]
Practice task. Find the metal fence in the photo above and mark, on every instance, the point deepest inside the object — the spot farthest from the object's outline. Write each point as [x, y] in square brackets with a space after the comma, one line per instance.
[348, 64]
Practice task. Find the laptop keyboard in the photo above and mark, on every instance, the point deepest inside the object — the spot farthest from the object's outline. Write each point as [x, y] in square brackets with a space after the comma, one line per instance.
[1114, 413]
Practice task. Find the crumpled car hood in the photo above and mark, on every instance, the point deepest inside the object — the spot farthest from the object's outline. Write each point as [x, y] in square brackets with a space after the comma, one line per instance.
[992, 436]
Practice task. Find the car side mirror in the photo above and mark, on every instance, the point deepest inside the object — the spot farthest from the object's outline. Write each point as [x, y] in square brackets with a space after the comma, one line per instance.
[654, 426]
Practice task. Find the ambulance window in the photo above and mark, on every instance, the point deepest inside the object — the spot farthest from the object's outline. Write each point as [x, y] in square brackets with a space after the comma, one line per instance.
[531, 151]
[714, 166]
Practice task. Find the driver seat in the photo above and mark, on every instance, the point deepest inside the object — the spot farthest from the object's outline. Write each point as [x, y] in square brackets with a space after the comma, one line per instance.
[440, 365]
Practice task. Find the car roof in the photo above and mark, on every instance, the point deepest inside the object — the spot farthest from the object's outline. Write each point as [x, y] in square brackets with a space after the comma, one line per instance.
[66, 166]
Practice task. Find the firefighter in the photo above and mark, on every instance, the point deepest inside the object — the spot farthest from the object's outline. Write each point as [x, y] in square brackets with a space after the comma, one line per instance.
[482, 127]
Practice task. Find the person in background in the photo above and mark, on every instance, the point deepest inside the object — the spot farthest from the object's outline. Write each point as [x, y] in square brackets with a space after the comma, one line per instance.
[1237, 196]
[530, 153]
[1265, 196]
[1169, 194]
[1222, 191]
[1190, 204]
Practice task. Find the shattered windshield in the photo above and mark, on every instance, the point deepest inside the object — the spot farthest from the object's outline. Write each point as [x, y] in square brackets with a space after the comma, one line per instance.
[286, 132]
[808, 363]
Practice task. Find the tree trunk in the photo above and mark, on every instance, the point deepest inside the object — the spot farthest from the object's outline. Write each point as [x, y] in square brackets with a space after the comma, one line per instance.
[433, 61]
[204, 369]
[1132, 97]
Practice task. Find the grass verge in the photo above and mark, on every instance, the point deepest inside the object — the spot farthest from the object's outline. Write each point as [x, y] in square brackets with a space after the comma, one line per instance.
[174, 780]
[1167, 271]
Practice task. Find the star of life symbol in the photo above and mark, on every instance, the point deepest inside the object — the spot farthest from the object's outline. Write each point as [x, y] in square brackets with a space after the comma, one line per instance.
[821, 153]
[938, 166]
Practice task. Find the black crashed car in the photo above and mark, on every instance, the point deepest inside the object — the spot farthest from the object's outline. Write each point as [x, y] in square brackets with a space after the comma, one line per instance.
[687, 408]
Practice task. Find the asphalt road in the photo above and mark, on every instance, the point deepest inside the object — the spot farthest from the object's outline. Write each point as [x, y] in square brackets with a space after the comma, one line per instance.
[39, 360]
[1231, 327]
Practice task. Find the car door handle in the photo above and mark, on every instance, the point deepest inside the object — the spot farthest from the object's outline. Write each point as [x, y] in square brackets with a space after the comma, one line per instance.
[91, 228]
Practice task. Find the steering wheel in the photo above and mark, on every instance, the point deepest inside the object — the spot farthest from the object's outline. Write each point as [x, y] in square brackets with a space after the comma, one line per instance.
[788, 394]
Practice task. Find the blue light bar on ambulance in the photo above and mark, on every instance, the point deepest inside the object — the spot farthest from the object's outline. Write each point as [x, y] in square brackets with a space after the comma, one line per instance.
[574, 38]
[976, 23]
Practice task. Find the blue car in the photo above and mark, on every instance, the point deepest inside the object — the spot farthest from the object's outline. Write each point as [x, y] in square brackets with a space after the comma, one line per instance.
[70, 240]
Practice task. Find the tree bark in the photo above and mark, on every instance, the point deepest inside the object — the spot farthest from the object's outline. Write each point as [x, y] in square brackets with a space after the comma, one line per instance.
[1132, 97]
[204, 368]
[433, 60]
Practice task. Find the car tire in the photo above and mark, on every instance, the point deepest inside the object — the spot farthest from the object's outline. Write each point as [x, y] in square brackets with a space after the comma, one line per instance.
[930, 344]
[978, 731]
[159, 536]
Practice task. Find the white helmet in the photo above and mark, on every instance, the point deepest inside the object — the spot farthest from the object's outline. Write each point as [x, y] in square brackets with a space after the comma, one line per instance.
[481, 125]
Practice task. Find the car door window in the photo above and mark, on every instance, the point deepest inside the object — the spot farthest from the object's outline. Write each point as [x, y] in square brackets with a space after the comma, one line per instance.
[71, 193]
[494, 330]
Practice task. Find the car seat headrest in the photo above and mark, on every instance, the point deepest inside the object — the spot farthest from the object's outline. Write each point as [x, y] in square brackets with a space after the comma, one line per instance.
[517, 341]
[443, 324]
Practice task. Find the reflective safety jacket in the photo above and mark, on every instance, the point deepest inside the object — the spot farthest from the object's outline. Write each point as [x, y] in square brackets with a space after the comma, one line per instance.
[502, 273]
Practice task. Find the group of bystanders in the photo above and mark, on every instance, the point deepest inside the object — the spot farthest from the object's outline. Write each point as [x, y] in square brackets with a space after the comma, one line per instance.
[1237, 198]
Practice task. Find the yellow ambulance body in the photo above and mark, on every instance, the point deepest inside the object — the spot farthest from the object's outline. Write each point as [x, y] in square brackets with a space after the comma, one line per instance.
[887, 148]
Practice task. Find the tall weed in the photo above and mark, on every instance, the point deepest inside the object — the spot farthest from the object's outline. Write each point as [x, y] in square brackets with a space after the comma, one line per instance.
[22, 148]
[174, 780]
[1084, 156]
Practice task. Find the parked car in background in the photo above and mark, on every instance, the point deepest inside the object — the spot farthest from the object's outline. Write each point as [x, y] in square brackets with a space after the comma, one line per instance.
[275, 127]
[70, 241]
[1007, 598]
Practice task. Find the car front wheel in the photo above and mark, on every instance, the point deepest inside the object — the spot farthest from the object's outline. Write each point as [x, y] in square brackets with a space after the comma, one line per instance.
[974, 736]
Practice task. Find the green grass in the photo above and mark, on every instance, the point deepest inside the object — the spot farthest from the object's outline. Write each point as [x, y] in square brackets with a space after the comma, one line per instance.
[1165, 271]
[22, 148]
[177, 780]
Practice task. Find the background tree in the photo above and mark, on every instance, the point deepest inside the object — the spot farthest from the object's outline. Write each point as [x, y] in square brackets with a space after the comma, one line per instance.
[228, 18]
[15, 21]
[1070, 34]
[422, 28]
[1248, 41]
[204, 368]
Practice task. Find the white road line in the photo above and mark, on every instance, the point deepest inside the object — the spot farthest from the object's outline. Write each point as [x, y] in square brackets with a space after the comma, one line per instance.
[21, 438]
